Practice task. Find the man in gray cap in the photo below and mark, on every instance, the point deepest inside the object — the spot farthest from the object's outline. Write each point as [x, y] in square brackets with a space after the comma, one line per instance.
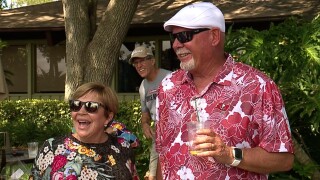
[143, 60]
[248, 135]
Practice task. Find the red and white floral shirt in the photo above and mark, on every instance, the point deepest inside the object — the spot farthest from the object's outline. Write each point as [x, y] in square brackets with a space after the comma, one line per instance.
[244, 107]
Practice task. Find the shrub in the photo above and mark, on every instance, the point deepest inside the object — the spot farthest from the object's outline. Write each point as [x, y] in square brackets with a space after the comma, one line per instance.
[34, 120]
[290, 54]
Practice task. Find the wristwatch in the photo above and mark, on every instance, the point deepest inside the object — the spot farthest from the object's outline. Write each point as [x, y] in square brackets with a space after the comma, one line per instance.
[237, 155]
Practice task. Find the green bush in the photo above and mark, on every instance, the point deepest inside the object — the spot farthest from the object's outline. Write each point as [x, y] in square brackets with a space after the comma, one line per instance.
[129, 114]
[34, 120]
[37, 120]
[290, 54]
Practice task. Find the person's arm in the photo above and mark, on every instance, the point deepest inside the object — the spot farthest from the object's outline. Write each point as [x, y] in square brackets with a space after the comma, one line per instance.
[254, 159]
[146, 125]
[260, 161]
[133, 167]
[159, 173]
[145, 114]
[36, 171]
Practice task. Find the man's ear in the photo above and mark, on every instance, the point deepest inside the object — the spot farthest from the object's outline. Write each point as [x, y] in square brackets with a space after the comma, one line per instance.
[215, 34]
[153, 61]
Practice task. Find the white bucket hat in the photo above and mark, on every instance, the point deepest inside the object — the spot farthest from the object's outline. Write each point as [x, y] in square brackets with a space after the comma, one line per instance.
[197, 15]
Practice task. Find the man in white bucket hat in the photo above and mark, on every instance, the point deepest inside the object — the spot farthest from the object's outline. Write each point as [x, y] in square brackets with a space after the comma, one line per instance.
[248, 134]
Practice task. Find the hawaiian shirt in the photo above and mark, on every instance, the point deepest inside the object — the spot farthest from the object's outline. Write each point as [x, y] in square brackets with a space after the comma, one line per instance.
[68, 158]
[243, 106]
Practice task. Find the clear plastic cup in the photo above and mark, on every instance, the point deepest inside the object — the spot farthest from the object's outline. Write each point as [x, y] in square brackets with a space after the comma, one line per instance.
[32, 149]
[193, 127]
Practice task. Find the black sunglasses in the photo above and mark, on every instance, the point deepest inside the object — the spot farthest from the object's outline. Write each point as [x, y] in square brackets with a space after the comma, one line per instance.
[186, 36]
[90, 106]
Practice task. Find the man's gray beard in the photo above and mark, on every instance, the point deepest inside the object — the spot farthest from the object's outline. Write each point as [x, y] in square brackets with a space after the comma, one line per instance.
[187, 66]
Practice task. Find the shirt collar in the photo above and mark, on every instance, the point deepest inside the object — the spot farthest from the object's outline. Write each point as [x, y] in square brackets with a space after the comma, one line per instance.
[223, 77]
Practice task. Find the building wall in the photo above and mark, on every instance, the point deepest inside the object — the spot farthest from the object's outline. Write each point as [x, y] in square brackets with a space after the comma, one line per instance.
[37, 70]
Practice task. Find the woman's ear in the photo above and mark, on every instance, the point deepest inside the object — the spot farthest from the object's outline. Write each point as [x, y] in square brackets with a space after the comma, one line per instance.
[109, 116]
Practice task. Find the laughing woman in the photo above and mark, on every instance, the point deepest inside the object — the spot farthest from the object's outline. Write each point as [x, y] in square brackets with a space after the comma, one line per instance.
[89, 153]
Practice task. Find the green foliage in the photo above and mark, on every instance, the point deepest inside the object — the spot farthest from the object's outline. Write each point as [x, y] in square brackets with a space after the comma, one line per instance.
[34, 120]
[298, 172]
[290, 54]
[2, 44]
[130, 114]
[304, 170]
[37, 120]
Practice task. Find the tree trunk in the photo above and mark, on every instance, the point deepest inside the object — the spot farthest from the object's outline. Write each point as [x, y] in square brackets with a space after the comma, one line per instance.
[104, 49]
[77, 38]
[91, 52]
[303, 158]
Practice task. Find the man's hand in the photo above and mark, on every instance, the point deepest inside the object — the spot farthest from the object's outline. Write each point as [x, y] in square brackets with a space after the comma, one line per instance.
[211, 145]
[147, 131]
[254, 159]
[146, 125]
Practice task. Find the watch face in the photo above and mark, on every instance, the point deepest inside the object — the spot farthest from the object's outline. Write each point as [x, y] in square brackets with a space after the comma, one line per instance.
[238, 153]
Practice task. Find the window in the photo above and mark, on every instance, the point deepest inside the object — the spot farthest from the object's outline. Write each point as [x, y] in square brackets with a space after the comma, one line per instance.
[51, 68]
[128, 79]
[14, 61]
[168, 57]
[47, 66]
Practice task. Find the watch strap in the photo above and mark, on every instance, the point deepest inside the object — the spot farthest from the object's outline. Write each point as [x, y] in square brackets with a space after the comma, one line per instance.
[236, 160]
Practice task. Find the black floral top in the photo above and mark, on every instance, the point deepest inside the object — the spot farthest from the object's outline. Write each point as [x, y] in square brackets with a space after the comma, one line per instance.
[68, 158]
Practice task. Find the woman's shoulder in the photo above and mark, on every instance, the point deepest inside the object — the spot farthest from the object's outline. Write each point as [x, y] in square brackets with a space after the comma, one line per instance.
[120, 142]
[60, 138]
[121, 133]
